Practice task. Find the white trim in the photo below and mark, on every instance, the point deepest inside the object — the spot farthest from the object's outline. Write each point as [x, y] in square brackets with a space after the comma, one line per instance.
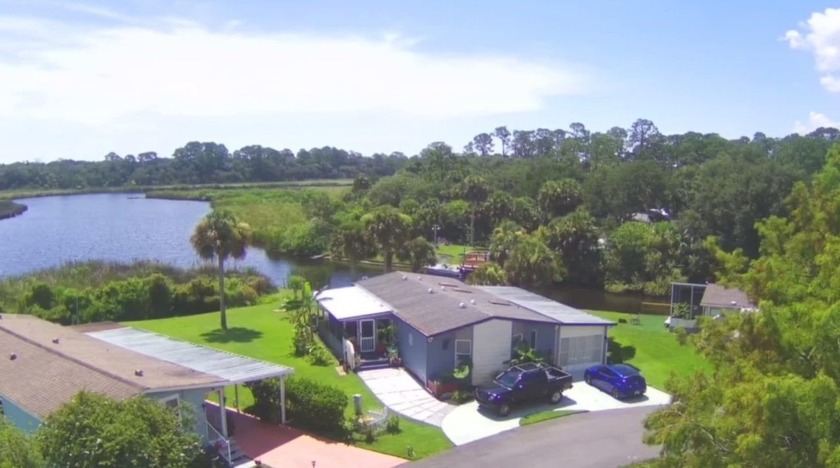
[470, 354]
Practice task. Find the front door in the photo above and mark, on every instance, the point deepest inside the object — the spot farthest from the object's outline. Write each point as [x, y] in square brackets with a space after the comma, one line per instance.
[367, 336]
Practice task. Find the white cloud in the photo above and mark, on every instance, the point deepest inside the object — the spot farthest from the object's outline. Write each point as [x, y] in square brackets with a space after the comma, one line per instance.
[820, 35]
[182, 69]
[815, 121]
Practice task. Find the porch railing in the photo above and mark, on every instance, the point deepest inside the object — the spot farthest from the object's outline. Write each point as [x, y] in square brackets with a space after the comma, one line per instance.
[219, 442]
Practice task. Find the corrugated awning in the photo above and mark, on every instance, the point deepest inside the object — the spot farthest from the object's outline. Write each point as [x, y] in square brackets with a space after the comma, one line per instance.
[232, 368]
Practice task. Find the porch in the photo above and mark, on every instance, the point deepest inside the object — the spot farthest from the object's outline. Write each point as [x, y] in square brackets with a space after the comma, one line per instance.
[357, 327]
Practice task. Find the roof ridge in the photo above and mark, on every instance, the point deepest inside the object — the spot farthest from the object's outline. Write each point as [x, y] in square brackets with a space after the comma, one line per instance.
[72, 359]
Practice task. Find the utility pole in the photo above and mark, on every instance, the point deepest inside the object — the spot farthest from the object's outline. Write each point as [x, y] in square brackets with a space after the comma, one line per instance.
[435, 228]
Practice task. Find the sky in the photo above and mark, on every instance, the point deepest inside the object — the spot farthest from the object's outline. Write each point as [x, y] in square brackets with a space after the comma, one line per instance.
[81, 79]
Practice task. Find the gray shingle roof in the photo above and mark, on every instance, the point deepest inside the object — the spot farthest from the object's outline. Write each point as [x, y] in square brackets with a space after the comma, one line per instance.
[440, 310]
[720, 296]
[53, 363]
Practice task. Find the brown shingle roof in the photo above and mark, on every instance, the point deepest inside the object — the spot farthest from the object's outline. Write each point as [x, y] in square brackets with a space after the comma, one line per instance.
[720, 296]
[45, 374]
[440, 311]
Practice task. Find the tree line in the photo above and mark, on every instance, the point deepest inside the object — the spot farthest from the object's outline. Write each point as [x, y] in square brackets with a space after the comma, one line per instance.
[197, 163]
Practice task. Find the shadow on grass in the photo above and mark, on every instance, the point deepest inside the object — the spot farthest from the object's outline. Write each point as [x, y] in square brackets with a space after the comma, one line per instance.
[619, 353]
[232, 335]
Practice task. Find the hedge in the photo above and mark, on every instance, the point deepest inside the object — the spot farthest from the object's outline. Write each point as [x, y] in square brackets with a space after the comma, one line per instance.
[309, 404]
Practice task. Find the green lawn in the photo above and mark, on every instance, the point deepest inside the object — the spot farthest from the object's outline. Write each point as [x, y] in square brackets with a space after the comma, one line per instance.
[262, 333]
[452, 253]
[652, 348]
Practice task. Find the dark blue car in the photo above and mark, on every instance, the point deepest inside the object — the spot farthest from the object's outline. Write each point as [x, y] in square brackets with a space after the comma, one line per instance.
[619, 380]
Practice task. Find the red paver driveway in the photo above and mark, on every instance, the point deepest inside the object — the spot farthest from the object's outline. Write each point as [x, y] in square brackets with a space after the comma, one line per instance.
[279, 446]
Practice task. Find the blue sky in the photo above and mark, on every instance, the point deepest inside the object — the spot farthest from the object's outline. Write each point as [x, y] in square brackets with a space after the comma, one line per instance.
[78, 80]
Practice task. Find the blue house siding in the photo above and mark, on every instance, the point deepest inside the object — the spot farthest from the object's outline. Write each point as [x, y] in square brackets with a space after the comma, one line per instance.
[413, 346]
[546, 337]
[441, 351]
[19, 417]
[192, 401]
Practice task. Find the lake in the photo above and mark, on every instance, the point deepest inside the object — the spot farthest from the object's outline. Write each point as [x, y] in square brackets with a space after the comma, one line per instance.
[126, 227]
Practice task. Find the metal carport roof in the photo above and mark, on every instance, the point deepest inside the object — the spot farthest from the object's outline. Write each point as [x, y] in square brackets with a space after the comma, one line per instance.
[232, 368]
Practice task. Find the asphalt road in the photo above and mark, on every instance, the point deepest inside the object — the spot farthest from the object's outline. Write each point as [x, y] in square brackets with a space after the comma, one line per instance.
[600, 439]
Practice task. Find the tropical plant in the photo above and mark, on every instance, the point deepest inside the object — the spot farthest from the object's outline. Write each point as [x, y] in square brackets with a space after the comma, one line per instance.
[17, 450]
[220, 236]
[474, 190]
[389, 229]
[351, 242]
[524, 353]
[418, 252]
[532, 264]
[488, 274]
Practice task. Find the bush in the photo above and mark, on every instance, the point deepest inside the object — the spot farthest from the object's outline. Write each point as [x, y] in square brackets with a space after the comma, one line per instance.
[309, 404]
[393, 424]
[319, 356]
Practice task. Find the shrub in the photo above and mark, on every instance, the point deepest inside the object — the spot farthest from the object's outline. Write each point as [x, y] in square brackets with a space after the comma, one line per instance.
[40, 295]
[393, 424]
[319, 356]
[309, 404]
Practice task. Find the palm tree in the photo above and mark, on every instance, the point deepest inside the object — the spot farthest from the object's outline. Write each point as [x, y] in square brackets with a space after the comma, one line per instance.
[389, 230]
[352, 243]
[475, 191]
[219, 236]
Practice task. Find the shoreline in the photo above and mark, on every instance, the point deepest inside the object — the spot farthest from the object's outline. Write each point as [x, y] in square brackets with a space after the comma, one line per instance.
[10, 209]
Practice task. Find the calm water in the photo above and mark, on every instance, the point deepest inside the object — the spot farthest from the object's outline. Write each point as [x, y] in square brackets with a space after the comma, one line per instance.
[124, 227]
[127, 227]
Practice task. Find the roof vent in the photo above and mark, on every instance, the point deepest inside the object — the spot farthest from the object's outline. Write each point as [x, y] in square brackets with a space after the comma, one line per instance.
[13, 356]
[462, 305]
[732, 302]
[404, 277]
[419, 278]
[55, 340]
[430, 290]
[443, 288]
[138, 372]
[472, 301]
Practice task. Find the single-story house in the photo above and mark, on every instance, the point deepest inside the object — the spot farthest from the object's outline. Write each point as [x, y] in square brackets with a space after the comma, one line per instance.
[719, 300]
[704, 300]
[440, 322]
[43, 365]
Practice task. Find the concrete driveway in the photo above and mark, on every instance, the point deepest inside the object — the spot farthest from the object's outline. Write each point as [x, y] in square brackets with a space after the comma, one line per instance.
[468, 422]
[601, 439]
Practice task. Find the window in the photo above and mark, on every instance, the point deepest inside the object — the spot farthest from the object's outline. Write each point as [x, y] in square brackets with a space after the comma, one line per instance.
[410, 339]
[580, 350]
[463, 351]
[445, 343]
[172, 402]
[533, 339]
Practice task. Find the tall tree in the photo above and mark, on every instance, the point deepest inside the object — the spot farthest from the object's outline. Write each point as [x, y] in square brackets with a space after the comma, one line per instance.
[503, 134]
[773, 398]
[475, 191]
[483, 144]
[220, 236]
[351, 242]
[418, 252]
[532, 264]
[559, 198]
[389, 229]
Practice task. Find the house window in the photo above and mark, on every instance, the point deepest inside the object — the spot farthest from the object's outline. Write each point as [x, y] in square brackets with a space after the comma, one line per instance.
[463, 351]
[580, 350]
[411, 339]
[445, 344]
[173, 403]
[533, 341]
[517, 338]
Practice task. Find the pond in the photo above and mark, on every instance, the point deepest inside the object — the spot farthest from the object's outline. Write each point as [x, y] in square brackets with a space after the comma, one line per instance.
[126, 227]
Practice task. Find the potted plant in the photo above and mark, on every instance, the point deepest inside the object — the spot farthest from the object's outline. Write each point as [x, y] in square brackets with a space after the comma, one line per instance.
[394, 356]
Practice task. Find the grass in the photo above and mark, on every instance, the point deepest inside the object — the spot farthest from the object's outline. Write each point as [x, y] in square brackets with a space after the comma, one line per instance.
[652, 348]
[261, 333]
[452, 253]
[546, 415]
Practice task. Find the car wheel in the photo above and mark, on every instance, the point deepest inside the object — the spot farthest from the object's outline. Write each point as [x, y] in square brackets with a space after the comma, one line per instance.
[555, 397]
[588, 379]
[504, 410]
[615, 394]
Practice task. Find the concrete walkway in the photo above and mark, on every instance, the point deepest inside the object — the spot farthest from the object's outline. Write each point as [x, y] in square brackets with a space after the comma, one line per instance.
[279, 446]
[400, 392]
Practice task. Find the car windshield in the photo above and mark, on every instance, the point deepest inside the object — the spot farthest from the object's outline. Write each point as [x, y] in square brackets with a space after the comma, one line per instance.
[507, 379]
[625, 371]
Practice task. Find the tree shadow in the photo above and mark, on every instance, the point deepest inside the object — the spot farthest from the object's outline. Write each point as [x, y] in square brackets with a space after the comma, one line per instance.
[231, 335]
[619, 353]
